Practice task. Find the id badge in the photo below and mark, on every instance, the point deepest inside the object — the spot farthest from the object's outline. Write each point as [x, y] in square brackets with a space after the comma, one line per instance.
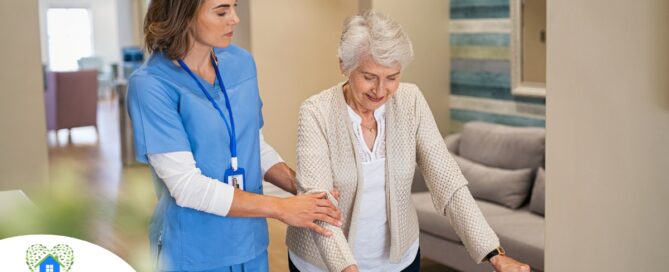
[235, 178]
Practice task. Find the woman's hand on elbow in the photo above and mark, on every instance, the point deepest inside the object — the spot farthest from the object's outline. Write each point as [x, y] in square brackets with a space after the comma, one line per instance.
[335, 193]
[303, 210]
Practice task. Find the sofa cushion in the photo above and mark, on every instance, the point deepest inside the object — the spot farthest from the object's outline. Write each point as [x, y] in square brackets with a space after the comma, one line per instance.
[438, 225]
[521, 232]
[538, 199]
[505, 187]
[503, 146]
[522, 235]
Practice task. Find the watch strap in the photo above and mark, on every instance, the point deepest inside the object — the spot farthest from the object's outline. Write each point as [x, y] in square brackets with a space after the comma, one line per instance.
[495, 252]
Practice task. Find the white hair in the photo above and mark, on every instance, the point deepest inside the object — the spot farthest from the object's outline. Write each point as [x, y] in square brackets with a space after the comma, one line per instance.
[376, 35]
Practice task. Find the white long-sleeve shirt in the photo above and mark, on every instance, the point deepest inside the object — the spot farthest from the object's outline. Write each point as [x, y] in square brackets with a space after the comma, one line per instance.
[191, 189]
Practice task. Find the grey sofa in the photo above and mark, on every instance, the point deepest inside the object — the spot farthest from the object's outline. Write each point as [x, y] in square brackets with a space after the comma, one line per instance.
[504, 167]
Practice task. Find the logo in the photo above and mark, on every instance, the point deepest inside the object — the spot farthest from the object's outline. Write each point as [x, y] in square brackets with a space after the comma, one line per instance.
[54, 253]
[57, 259]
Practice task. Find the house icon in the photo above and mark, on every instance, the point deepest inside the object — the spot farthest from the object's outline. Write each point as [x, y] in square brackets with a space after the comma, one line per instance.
[39, 258]
[49, 264]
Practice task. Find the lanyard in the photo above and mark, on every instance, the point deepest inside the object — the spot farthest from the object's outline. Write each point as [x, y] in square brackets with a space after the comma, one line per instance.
[231, 126]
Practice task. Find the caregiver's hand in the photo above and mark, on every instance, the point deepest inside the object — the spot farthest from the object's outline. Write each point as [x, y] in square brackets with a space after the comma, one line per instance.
[335, 193]
[303, 210]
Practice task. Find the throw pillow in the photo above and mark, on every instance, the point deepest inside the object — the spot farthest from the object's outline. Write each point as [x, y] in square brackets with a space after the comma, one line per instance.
[509, 188]
[503, 146]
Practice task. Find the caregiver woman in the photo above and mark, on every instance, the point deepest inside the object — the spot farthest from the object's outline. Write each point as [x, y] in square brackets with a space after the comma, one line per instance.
[196, 115]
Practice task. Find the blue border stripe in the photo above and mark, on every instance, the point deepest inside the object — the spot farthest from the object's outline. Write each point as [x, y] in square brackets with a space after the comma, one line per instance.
[500, 93]
[482, 12]
[480, 39]
[471, 3]
[480, 79]
[468, 116]
[475, 65]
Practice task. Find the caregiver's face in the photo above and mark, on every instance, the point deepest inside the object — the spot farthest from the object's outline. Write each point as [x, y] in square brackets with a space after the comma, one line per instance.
[214, 23]
[373, 84]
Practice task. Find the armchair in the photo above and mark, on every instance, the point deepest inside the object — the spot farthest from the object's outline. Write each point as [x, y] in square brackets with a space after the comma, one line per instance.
[71, 99]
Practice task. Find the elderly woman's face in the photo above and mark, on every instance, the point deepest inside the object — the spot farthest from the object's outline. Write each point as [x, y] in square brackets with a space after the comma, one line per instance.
[372, 84]
[215, 22]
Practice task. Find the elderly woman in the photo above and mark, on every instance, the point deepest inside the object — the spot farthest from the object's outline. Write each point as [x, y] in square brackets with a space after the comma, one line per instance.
[365, 136]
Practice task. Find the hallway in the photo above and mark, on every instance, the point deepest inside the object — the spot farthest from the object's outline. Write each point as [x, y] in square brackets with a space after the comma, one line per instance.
[122, 198]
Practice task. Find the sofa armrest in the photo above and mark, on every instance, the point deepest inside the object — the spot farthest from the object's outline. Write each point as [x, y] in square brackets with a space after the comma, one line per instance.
[453, 143]
[418, 184]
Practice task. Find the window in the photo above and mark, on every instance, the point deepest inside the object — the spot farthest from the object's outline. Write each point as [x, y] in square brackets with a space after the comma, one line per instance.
[49, 268]
[70, 37]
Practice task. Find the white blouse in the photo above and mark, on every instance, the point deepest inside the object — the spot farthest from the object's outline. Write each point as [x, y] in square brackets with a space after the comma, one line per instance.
[372, 244]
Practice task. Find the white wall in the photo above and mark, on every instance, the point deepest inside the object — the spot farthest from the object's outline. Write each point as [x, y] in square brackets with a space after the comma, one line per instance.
[131, 22]
[127, 22]
[23, 149]
[105, 26]
[295, 44]
[607, 136]
[242, 36]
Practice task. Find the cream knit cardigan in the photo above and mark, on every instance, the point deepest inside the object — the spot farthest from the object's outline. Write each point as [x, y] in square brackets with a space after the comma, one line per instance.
[327, 156]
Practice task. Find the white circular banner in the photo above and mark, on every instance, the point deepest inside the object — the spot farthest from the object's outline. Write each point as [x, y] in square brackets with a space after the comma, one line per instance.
[52, 253]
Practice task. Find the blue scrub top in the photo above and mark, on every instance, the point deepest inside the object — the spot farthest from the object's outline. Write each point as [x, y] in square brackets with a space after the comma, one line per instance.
[170, 113]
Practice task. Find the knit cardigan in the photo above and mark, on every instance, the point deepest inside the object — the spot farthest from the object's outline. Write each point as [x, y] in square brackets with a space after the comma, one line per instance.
[327, 156]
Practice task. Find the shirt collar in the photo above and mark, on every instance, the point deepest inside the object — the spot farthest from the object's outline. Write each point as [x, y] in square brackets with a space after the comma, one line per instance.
[378, 114]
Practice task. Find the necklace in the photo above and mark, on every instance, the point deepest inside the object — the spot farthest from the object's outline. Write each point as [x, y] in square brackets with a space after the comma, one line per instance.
[371, 129]
[346, 91]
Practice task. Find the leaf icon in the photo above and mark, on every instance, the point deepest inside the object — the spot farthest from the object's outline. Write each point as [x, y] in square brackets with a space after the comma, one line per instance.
[34, 255]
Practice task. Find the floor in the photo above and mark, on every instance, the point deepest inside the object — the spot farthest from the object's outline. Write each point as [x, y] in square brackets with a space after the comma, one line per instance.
[119, 199]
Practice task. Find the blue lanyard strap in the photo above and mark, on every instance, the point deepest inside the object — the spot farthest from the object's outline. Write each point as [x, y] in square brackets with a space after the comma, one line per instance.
[231, 127]
[214, 62]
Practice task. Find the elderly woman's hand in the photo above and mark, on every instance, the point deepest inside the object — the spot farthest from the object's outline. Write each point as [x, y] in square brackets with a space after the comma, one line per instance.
[503, 263]
[351, 268]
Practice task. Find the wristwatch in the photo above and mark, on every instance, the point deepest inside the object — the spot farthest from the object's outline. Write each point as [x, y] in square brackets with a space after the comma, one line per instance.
[497, 251]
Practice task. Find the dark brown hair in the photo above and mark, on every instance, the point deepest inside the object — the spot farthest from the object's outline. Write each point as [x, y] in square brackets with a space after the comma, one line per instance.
[166, 27]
